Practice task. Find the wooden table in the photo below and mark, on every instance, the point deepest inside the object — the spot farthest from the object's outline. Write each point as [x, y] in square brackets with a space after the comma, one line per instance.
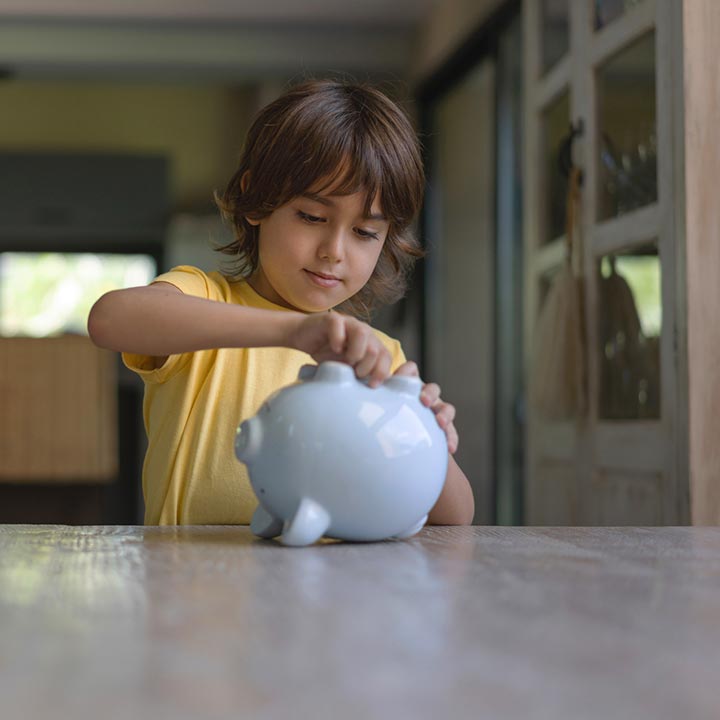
[207, 622]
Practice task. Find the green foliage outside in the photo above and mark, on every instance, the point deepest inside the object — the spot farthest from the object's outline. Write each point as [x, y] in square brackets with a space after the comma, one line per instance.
[642, 273]
[43, 294]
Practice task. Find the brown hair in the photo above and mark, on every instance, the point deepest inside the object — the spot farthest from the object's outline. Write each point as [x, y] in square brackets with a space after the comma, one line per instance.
[328, 134]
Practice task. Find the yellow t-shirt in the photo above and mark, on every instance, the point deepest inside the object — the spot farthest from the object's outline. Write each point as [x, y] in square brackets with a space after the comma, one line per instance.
[193, 405]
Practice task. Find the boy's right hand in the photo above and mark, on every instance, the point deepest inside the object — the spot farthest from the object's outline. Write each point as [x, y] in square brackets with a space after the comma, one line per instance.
[332, 336]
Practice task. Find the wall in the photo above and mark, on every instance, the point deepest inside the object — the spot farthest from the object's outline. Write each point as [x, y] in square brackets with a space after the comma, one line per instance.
[447, 26]
[200, 128]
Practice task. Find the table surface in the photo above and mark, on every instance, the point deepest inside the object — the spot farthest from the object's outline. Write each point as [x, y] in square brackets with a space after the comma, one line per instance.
[482, 622]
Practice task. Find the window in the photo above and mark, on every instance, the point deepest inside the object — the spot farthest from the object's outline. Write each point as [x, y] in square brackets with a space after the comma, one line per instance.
[48, 293]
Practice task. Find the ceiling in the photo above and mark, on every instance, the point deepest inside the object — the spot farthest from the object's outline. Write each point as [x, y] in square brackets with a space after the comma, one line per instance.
[373, 13]
[206, 40]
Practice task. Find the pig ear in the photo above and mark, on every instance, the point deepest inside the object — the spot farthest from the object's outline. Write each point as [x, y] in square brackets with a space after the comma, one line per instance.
[307, 372]
[335, 372]
[307, 526]
[405, 384]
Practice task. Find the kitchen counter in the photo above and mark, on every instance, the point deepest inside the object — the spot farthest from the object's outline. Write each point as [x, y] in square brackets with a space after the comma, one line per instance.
[476, 622]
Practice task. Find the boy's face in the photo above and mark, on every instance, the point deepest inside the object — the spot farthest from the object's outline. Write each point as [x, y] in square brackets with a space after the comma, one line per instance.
[316, 251]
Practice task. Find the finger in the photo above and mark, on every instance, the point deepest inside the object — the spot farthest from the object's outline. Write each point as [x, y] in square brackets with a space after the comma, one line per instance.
[337, 333]
[357, 342]
[430, 394]
[326, 353]
[367, 362]
[381, 371]
[408, 369]
[452, 438]
[444, 413]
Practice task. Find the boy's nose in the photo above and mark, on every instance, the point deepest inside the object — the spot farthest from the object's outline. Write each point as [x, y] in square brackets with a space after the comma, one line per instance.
[332, 247]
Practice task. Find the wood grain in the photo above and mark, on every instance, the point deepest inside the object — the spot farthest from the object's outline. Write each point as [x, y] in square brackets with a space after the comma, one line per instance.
[472, 622]
[701, 29]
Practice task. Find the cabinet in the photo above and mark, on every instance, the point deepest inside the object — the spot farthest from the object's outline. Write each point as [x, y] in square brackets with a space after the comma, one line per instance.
[58, 417]
[610, 80]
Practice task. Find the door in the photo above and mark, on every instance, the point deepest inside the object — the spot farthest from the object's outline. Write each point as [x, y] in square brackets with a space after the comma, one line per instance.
[459, 277]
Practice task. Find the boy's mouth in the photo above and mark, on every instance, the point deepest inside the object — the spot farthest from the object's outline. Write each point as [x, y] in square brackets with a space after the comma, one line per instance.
[323, 280]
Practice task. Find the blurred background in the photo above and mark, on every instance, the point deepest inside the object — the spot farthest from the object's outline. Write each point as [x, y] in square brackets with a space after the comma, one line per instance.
[119, 119]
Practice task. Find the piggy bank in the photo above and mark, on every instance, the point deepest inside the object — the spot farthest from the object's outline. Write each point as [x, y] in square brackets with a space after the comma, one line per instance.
[330, 456]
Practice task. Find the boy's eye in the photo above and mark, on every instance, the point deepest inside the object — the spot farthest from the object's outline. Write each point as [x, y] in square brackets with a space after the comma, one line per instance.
[309, 218]
[314, 219]
[366, 234]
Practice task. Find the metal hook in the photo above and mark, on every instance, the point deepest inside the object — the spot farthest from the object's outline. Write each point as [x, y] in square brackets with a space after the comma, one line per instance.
[565, 162]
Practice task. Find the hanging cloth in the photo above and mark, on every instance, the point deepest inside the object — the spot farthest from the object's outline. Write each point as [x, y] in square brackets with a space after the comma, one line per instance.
[629, 362]
[558, 370]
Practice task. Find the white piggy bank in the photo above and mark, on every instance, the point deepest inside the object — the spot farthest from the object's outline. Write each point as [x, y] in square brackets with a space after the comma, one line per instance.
[330, 456]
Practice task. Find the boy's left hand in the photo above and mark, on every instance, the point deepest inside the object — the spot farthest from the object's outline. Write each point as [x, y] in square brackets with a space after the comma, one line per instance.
[430, 397]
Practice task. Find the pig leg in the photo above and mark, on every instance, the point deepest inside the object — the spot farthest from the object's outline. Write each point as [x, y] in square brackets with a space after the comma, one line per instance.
[264, 524]
[307, 526]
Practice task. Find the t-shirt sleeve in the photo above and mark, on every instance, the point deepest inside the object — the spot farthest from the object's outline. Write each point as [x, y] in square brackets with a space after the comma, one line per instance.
[191, 281]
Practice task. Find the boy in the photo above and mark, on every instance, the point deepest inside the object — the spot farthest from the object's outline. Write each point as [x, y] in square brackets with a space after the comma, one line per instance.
[329, 182]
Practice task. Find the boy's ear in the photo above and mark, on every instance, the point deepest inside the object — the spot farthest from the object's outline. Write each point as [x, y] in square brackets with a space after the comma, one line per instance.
[244, 182]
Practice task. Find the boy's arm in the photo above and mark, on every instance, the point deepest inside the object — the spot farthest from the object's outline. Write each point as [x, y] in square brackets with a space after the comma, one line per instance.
[160, 320]
[456, 505]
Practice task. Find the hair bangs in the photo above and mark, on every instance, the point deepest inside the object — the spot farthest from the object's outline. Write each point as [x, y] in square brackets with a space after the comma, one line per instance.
[352, 172]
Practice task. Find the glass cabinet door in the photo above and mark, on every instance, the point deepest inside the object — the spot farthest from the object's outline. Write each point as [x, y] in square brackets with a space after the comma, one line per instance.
[629, 324]
[607, 11]
[555, 123]
[555, 36]
[595, 66]
[627, 132]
